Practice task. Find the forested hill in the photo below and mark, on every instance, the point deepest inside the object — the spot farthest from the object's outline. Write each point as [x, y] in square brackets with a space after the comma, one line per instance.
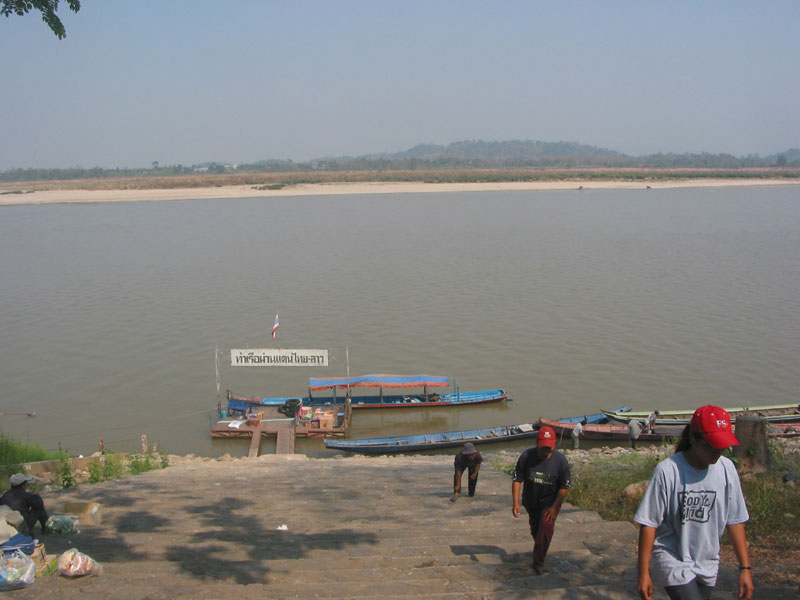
[529, 153]
[525, 149]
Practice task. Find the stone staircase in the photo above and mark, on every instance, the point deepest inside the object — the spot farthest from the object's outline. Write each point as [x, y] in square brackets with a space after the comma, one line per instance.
[365, 528]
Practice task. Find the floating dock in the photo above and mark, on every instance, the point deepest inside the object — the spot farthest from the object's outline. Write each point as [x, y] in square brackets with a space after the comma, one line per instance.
[268, 422]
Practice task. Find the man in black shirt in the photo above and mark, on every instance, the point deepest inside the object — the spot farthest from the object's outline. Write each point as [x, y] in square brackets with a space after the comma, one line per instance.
[543, 475]
[30, 505]
[470, 459]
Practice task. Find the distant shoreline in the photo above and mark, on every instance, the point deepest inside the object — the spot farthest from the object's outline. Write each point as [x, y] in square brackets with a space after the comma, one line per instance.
[10, 196]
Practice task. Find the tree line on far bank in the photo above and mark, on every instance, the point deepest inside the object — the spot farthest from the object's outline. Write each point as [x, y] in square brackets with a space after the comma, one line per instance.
[459, 157]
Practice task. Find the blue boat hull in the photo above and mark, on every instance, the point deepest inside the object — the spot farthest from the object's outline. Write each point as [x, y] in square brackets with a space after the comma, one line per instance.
[243, 405]
[433, 441]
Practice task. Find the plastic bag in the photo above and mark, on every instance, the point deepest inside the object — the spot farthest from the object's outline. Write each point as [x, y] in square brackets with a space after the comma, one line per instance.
[74, 564]
[61, 524]
[20, 542]
[16, 570]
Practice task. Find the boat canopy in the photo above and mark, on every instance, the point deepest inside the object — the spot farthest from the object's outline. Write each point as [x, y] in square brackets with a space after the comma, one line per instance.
[378, 381]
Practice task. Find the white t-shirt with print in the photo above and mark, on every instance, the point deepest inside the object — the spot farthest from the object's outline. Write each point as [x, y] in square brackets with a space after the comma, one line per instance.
[690, 508]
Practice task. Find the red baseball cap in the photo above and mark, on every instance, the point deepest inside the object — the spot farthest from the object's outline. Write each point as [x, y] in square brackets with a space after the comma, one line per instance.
[714, 423]
[546, 437]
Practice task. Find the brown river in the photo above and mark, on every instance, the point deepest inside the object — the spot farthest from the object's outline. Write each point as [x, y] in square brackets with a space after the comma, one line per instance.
[573, 301]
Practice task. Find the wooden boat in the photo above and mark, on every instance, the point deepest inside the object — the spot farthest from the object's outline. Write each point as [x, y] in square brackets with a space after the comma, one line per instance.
[434, 441]
[425, 399]
[775, 413]
[596, 418]
[450, 439]
[412, 400]
[619, 432]
[611, 431]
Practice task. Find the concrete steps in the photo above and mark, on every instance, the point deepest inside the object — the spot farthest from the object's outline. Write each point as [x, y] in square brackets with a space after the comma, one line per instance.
[364, 528]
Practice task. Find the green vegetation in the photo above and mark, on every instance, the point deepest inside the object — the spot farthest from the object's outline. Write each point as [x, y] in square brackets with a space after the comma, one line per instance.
[65, 476]
[774, 505]
[466, 161]
[13, 454]
[141, 463]
[600, 485]
[48, 9]
[111, 467]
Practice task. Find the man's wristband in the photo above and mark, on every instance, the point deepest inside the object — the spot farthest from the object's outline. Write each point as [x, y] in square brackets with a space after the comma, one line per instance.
[745, 568]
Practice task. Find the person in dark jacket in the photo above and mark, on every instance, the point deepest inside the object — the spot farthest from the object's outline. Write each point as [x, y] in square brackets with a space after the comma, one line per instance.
[543, 476]
[468, 459]
[29, 505]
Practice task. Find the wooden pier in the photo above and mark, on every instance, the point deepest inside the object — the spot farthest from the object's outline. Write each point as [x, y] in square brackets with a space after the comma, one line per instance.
[285, 437]
[284, 429]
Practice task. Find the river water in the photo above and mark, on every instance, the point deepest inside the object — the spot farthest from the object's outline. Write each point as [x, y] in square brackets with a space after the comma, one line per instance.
[573, 301]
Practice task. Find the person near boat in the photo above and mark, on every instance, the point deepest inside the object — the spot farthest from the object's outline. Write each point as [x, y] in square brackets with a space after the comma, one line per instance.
[468, 459]
[634, 431]
[542, 474]
[693, 497]
[28, 504]
[576, 433]
[651, 421]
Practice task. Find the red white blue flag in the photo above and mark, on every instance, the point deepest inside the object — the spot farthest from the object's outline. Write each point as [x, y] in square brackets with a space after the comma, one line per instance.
[275, 327]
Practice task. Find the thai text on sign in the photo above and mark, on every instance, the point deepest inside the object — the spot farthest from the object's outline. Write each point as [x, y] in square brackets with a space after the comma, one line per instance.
[279, 357]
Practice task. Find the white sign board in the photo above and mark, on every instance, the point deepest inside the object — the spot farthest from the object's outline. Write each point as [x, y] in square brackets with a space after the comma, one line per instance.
[279, 357]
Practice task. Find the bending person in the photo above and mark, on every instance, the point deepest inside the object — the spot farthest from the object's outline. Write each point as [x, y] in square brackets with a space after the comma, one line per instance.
[468, 459]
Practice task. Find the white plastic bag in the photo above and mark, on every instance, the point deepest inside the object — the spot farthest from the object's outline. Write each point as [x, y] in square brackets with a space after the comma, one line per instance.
[74, 564]
[16, 570]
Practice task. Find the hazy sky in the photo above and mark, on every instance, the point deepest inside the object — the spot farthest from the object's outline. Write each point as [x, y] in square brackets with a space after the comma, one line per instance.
[188, 81]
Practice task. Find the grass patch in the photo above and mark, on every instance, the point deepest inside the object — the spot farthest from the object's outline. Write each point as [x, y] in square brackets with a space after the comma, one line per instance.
[600, 485]
[14, 454]
[141, 463]
[773, 504]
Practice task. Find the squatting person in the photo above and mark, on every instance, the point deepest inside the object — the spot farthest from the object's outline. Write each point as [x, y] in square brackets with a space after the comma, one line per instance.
[29, 505]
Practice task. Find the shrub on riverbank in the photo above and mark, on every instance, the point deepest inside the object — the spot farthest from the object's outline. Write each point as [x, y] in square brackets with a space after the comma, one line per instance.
[13, 454]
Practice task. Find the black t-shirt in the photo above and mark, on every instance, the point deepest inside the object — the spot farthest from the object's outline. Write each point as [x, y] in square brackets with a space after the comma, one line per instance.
[462, 460]
[541, 478]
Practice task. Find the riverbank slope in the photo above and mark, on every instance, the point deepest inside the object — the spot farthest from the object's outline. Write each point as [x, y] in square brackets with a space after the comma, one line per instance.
[368, 528]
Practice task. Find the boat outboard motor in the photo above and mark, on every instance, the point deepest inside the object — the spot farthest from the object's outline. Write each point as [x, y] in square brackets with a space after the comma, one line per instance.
[290, 407]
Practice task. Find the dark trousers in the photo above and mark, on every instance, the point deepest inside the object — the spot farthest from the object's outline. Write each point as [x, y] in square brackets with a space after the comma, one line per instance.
[471, 483]
[689, 591]
[29, 521]
[542, 533]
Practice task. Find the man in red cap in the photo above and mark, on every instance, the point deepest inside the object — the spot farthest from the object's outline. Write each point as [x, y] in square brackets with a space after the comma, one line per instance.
[543, 474]
[693, 497]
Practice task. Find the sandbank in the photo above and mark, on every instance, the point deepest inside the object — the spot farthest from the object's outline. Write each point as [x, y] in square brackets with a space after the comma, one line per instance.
[330, 189]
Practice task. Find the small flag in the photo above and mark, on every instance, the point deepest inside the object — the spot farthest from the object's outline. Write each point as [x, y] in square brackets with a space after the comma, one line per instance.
[275, 327]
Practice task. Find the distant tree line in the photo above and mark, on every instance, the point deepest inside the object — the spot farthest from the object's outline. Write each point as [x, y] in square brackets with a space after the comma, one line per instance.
[459, 156]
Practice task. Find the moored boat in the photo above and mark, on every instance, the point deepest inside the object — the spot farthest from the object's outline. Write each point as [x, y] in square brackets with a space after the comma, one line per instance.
[433, 441]
[450, 439]
[595, 418]
[773, 413]
[620, 433]
[611, 431]
[424, 398]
